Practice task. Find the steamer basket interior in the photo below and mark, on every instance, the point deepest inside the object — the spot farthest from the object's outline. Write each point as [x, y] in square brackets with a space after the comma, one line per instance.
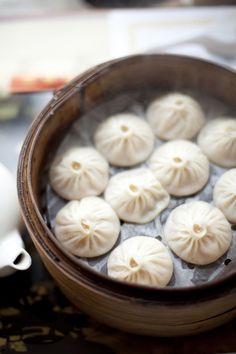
[130, 78]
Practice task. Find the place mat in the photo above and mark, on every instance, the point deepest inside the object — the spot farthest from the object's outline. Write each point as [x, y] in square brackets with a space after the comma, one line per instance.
[36, 318]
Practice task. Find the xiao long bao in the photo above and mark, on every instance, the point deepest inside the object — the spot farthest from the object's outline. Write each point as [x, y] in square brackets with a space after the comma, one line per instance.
[87, 228]
[181, 167]
[136, 195]
[124, 139]
[224, 194]
[80, 172]
[198, 232]
[141, 260]
[218, 141]
[175, 116]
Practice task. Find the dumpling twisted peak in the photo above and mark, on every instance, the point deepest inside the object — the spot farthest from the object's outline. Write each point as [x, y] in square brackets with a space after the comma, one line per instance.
[80, 172]
[198, 232]
[181, 167]
[224, 194]
[175, 116]
[218, 141]
[87, 228]
[124, 139]
[142, 260]
[136, 195]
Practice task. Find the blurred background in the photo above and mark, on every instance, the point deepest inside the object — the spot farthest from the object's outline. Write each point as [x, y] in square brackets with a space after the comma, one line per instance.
[46, 43]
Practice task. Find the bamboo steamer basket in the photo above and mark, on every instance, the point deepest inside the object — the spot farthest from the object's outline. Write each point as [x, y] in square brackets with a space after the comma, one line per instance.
[137, 309]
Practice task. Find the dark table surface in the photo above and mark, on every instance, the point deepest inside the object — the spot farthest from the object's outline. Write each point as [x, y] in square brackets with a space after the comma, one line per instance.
[36, 318]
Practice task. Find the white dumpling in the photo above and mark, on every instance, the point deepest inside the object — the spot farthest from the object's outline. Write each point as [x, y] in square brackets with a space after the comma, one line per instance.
[181, 167]
[142, 260]
[87, 228]
[198, 232]
[124, 139]
[224, 194]
[79, 173]
[175, 116]
[218, 141]
[136, 195]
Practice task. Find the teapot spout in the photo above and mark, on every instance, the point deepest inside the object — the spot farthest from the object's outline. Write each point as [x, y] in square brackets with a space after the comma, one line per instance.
[22, 260]
[13, 256]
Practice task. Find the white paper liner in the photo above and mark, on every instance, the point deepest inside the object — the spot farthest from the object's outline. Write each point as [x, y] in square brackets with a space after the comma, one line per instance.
[81, 134]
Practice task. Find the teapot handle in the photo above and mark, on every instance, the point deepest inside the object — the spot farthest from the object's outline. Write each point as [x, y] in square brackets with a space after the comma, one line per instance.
[22, 261]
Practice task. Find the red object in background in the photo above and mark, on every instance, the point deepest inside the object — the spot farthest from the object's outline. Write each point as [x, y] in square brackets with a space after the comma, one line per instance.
[20, 84]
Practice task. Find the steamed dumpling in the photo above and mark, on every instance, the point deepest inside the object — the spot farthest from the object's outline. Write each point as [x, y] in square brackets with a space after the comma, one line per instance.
[198, 232]
[80, 172]
[175, 116]
[87, 228]
[218, 141]
[142, 260]
[181, 167]
[224, 194]
[136, 195]
[124, 139]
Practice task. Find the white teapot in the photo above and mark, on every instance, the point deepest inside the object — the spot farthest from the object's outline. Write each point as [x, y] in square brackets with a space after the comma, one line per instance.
[13, 256]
